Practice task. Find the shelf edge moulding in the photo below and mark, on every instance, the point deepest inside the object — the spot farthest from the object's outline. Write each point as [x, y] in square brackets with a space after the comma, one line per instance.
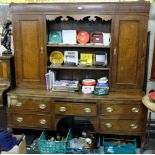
[53, 1]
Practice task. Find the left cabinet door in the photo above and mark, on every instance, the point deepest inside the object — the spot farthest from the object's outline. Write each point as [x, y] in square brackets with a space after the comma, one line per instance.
[29, 42]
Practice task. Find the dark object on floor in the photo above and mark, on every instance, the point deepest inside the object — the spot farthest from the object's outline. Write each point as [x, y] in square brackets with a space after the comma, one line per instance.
[7, 141]
[119, 146]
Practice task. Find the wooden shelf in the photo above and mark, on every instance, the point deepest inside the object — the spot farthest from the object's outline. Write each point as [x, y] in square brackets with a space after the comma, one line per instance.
[78, 67]
[78, 45]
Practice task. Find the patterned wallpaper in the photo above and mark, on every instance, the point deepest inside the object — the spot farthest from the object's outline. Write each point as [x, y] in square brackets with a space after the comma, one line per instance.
[52, 1]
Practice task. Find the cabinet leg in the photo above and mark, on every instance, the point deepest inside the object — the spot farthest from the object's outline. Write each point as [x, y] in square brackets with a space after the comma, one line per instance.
[142, 144]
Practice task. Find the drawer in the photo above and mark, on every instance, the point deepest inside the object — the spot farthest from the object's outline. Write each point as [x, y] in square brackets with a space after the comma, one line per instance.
[76, 109]
[31, 120]
[114, 125]
[118, 109]
[29, 103]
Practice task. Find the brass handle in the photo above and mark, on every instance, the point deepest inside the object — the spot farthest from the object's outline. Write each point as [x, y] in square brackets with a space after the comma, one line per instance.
[42, 121]
[13, 97]
[14, 102]
[19, 119]
[18, 104]
[109, 109]
[108, 125]
[135, 110]
[42, 106]
[87, 110]
[133, 126]
[115, 51]
[62, 109]
[42, 50]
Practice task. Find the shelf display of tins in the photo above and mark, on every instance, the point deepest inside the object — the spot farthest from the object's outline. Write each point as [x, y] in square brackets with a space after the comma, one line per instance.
[102, 86]
[83, 37]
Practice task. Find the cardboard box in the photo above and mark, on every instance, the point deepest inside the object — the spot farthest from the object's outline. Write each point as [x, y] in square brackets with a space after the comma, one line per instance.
[18, 149]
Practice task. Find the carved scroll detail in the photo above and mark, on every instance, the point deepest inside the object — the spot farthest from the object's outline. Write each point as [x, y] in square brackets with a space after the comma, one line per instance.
[105, 17]
[78, 17]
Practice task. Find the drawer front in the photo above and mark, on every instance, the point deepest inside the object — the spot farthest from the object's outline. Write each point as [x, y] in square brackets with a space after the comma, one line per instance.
[31, 120]
[27, 103]
[112, 125]
[75, 109]
[114, 109]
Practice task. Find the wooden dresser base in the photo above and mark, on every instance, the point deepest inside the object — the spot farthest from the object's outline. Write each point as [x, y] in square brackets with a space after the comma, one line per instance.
[116, 113]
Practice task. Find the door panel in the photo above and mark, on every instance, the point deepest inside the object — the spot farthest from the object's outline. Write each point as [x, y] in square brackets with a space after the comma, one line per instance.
[29, 50]
[1, 71]
[129, 52]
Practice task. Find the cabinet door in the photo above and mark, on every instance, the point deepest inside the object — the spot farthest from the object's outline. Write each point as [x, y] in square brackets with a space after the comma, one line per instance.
[4, 71]
[129, 46]
[29, 50]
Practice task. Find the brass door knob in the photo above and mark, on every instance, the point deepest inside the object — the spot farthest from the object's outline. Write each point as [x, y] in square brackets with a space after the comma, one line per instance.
[135, 110]
[108, 125]
[109, 109]
[42, 121]
[19, 119]
[87, 110]
[42, 106]
[133, 126]
[62, 109]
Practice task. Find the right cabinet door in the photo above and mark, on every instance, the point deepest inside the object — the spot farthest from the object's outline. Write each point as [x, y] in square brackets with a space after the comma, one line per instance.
[129, 46]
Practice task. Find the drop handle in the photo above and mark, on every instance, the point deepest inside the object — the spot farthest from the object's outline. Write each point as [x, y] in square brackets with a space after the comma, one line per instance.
[115, 51]
[108, 125]
[109, 109]
[133, 126]
[42, 106]
[19, 119]
[18, 104]
[87, 110]
[135, 110]
[43, 121]
[62, 109]
[42, 50]
[13, 102]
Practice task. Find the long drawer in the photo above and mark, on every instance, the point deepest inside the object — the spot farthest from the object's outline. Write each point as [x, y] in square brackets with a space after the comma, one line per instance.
[29, 103]
[121, 109]
[77, 109]
[31, 120]
[120, 125]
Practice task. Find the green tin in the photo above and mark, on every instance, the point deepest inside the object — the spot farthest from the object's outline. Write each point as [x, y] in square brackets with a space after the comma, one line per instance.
[55, 37]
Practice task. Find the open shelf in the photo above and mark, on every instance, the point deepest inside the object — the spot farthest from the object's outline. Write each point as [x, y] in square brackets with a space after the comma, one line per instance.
[78, 67]
[78, 45]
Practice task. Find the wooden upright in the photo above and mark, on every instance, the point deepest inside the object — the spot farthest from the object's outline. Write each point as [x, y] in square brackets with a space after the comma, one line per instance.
[6, 81]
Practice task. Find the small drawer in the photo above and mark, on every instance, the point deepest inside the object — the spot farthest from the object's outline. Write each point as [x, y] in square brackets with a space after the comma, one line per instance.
[33, 104]
[31, 120]
[76, 109]
[121, 109]
[114, 125]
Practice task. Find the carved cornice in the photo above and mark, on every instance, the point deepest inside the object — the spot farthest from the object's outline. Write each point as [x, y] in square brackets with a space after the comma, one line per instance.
[79, 17]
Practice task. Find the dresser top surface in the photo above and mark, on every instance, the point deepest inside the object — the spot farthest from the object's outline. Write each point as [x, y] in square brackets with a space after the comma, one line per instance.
[76, 95]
